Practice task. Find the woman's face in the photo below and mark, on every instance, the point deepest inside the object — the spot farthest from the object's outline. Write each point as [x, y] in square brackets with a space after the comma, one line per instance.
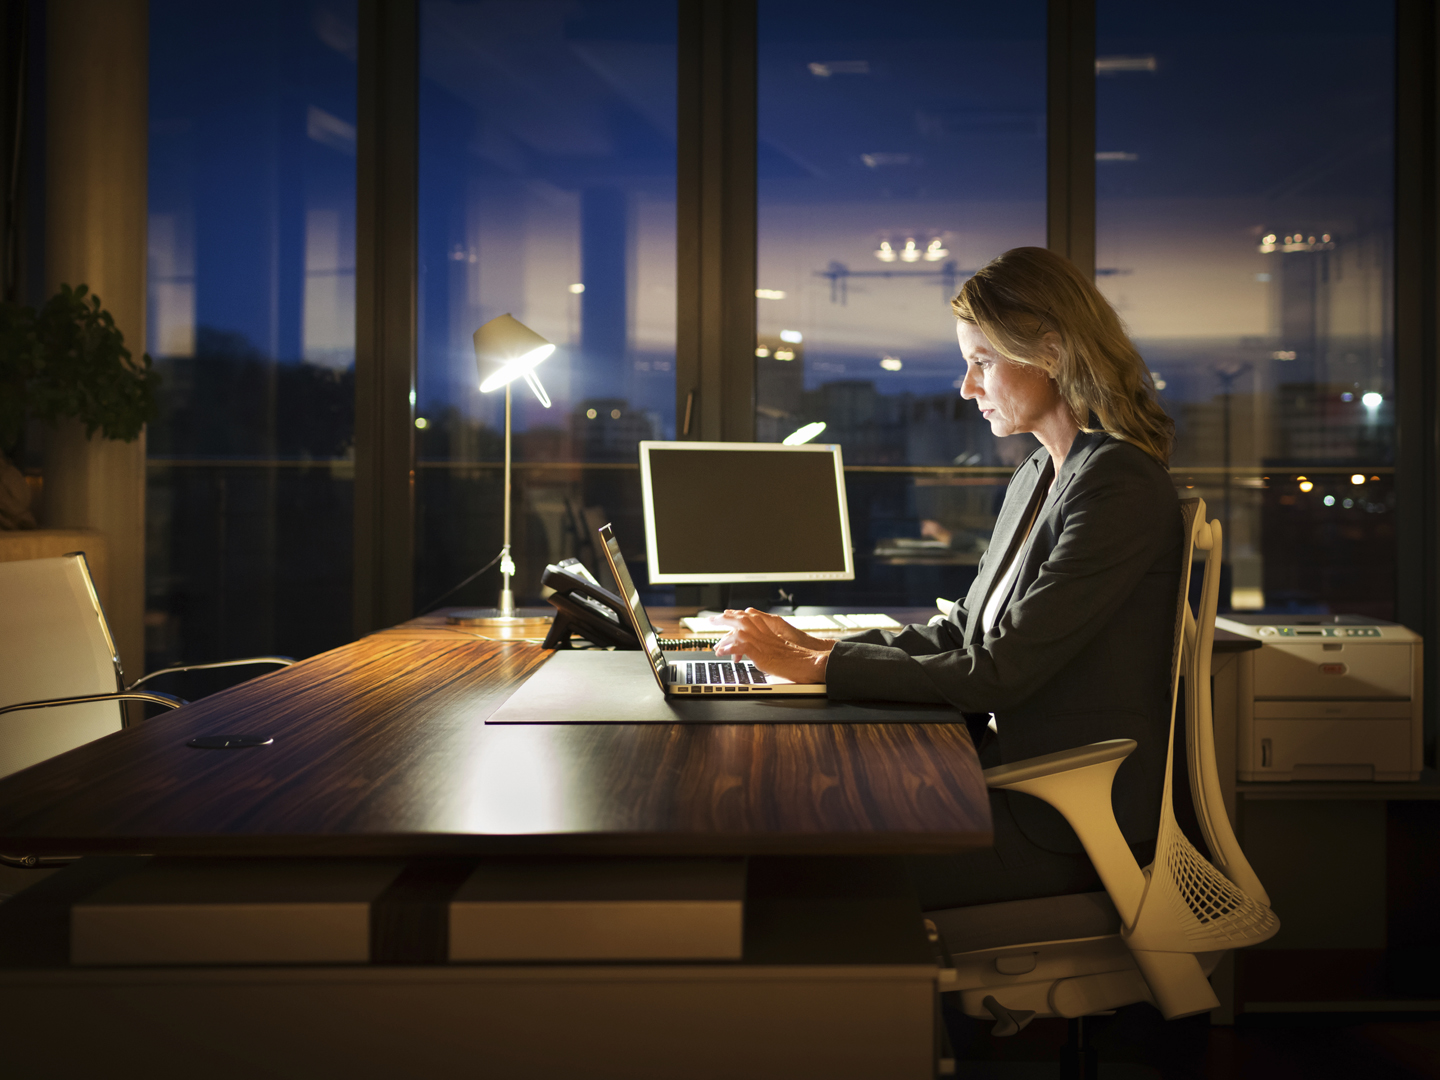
[1015, 398]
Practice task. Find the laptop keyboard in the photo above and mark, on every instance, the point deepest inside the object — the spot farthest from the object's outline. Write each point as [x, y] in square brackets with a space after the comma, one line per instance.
[716, 673]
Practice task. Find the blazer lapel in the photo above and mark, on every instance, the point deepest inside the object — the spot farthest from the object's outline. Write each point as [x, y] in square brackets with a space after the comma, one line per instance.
[1084, 445]
[1013, 516]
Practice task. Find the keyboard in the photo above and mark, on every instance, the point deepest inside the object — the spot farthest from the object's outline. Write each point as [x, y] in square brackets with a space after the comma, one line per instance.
[866, 622]
[715, 673]
[810, 622]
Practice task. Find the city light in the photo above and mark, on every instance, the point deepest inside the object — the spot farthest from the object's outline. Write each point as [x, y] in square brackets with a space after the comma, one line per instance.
[761, 351]
[1292, 242]
[1371, 400]
[823, 69]
[770, 294]
[1329, 500]
[1358, 479]
[804, 434]
[784, 354]
[1306, 485]
[891, 363]
[792, 336]
[577, 288]
[421, 423]
[1109, 65]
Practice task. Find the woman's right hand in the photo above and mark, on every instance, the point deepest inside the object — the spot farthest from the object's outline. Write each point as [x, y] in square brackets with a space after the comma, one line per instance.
[774, 646]
[735, 618]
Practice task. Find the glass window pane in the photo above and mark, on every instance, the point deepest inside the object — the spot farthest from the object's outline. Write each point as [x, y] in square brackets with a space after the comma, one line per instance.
[1245, 227]
[251, 321]
[902, 146]
[547, 191]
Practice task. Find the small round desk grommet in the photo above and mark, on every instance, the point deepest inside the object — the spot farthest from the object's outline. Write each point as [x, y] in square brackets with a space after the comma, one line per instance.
[228, 742]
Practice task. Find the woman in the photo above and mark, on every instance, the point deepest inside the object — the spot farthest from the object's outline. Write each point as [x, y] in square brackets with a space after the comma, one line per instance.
[1066, 635]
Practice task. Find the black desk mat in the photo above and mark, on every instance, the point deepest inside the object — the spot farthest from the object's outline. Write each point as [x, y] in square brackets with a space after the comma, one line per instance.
[596, 687]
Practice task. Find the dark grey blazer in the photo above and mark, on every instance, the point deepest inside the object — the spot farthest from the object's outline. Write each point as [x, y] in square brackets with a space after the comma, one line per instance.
[1083, 647]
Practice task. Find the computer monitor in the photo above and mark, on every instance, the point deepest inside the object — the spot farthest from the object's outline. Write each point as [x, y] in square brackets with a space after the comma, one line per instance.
[723, 512]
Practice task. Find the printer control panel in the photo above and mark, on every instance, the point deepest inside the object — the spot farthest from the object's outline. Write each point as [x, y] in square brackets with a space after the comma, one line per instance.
[1319, 631]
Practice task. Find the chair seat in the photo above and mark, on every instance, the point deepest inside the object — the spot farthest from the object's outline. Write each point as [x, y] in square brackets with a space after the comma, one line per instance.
[1023, 922]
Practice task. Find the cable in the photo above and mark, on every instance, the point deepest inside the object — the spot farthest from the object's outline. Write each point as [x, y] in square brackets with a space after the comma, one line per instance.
[433, 604]
[680, 644]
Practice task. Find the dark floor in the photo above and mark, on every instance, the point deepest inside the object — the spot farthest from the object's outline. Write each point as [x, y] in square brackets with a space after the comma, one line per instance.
[1136, 1044]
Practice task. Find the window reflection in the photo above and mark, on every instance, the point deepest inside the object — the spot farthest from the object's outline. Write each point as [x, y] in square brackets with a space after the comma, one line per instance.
[547, 191]
[902, 146]
[1245, 234]
[251, 282]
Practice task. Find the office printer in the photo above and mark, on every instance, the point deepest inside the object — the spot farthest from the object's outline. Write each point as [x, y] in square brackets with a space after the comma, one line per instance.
[1333, 697]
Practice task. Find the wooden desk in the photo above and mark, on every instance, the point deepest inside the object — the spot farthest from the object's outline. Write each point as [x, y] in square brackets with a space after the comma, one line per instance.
[381, 750]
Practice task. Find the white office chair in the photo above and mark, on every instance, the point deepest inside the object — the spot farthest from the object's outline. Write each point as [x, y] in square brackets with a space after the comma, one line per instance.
[60, 677]
[1154, 934]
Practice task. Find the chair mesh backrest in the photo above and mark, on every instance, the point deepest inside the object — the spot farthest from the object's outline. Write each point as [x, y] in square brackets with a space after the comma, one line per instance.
[1190, 906]
[53, 643]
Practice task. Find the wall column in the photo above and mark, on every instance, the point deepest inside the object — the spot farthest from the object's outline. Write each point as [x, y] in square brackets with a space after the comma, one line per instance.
[97, 74]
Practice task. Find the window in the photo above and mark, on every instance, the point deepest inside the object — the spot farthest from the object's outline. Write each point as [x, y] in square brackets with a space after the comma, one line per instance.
[1245, 166]
[252, 324]
[1245, 231]
[901, 147]
[547, 191]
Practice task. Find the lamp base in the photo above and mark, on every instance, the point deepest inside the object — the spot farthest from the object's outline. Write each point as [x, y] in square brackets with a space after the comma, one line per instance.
[523, 619]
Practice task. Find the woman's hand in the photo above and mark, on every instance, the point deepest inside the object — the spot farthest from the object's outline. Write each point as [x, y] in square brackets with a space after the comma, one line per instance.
[773, 645]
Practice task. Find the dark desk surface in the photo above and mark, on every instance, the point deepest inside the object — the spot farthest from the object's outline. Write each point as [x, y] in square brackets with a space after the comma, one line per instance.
[381, 750]
[667, 622]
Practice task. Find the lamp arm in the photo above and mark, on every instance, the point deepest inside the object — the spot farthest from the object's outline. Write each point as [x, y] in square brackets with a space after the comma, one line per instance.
[534, 380]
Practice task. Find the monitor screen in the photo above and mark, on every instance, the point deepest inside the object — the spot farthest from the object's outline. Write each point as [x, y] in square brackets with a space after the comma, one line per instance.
[744, 512]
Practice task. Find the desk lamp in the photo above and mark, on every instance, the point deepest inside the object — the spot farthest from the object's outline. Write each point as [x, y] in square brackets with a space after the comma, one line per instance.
[505, 350]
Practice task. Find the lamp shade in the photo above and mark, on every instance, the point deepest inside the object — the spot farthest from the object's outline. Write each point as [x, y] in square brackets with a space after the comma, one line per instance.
[505, 350]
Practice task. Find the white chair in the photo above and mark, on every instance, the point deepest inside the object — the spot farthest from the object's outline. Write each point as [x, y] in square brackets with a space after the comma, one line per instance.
[60, 677]
[1154, 934]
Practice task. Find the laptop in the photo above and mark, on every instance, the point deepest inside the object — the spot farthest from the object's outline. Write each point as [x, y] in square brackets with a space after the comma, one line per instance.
[703, 676]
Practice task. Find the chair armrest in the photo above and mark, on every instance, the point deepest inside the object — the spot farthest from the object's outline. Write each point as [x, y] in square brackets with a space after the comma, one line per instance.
[1002, 776]
[278, 661]
[154, 697]
[1077, 783]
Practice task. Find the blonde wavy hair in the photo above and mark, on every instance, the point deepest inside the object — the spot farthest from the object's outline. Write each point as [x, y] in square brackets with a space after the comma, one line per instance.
[1020, 296]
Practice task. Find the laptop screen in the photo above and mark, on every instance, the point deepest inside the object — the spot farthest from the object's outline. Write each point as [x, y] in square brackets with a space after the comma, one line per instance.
[643, 630]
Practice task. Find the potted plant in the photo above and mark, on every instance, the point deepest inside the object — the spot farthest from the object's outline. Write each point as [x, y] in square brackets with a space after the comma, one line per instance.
[67, 360]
